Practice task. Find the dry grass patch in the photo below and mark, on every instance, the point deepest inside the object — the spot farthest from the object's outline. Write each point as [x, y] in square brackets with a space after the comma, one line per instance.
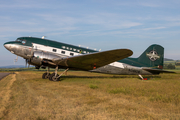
[95, 97]
[5, 91]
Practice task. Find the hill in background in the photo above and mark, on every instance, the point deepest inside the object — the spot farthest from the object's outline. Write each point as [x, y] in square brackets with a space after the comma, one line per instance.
[13, 66]
[167, 59]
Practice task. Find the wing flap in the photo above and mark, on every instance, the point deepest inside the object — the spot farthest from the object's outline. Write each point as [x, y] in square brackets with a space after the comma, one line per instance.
[93, 60]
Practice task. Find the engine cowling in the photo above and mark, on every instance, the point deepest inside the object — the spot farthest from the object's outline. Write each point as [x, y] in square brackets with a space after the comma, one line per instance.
[39, 58]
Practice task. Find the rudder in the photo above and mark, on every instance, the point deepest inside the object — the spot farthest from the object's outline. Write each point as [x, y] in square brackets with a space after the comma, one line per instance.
[153, 56]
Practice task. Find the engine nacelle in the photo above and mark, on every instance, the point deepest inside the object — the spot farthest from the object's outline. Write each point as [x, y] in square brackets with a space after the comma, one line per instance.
[39, 56]
[45, 55]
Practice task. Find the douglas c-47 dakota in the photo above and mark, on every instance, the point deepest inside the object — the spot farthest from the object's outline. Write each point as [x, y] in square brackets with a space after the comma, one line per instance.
[44, 53]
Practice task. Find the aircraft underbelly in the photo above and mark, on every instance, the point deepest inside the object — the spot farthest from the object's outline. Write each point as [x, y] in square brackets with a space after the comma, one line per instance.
[123, 70]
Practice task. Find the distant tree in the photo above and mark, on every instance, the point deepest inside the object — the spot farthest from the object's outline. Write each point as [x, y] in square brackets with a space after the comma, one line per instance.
[165, 66]
[170, 66]
[177, 63]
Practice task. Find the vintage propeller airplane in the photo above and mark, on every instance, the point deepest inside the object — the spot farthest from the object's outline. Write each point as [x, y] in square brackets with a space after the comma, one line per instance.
[44, 53]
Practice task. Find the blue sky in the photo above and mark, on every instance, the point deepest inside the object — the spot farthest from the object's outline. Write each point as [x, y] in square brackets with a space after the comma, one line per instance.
[100, 24]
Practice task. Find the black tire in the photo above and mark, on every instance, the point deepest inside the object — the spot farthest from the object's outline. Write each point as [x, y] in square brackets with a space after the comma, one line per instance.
[52, 77]
[45, 76]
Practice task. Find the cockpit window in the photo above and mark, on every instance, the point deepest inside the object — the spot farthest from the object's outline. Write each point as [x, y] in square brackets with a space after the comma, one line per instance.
[21, 41]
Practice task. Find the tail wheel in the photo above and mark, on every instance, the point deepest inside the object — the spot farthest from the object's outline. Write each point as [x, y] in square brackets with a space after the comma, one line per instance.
[45, 75]
[53, 78]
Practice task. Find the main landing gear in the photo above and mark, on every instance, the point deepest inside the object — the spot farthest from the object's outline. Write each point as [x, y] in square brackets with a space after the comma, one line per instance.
[54, 76]
[46, 74]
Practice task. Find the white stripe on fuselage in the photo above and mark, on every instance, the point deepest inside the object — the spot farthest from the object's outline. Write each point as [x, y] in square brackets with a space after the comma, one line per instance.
[67, 53]
[117, 64]
[50, 49]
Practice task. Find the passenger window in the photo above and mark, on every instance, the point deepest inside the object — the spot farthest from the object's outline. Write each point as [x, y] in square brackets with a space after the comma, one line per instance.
[54, 50]
[71, 54]
[63, 52]
[80, 51]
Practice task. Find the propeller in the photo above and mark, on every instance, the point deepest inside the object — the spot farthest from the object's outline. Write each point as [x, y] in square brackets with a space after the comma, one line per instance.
[30, 56]
[32, 50]
[15, 60]
[27, 62]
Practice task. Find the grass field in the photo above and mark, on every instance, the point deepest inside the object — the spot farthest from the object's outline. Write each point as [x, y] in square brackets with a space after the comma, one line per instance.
[84, 95]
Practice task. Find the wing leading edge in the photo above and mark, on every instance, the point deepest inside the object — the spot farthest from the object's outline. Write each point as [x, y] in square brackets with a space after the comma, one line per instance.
[93, 60]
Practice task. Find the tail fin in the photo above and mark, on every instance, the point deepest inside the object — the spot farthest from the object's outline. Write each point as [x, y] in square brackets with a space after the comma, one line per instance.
[153, 56]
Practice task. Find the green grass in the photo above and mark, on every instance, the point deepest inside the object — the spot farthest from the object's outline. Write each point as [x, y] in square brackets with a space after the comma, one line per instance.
[121, 90]
[93, 86]
[84, 95]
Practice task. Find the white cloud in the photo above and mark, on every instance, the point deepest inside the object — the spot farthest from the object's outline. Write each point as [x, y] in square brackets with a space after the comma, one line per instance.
[131, 20]
[155, 28]
[23, 4]
[149, 4]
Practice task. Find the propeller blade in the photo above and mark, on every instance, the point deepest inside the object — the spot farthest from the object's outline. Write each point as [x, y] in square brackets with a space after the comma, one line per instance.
[26, 62]
[15, 60]
[32, 50]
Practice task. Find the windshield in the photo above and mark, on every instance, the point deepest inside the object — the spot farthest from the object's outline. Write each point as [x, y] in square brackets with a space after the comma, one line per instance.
[21, 41]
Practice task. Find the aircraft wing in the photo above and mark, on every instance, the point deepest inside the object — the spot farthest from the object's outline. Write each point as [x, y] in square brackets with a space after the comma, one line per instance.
[93, 60]
[157, 71]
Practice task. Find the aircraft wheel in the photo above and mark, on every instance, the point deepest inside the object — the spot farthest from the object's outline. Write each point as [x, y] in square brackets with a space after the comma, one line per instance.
[45, 76]
[50, 77]
[53, 78]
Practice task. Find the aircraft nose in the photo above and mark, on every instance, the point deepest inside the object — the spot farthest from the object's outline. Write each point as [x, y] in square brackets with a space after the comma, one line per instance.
[7, 45]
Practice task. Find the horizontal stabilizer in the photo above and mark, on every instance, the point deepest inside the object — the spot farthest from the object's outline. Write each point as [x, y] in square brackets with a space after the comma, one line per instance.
[93, 60]
[157, 71]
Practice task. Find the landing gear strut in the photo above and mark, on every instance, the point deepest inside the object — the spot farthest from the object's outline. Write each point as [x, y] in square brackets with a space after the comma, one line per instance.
[55, 77]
